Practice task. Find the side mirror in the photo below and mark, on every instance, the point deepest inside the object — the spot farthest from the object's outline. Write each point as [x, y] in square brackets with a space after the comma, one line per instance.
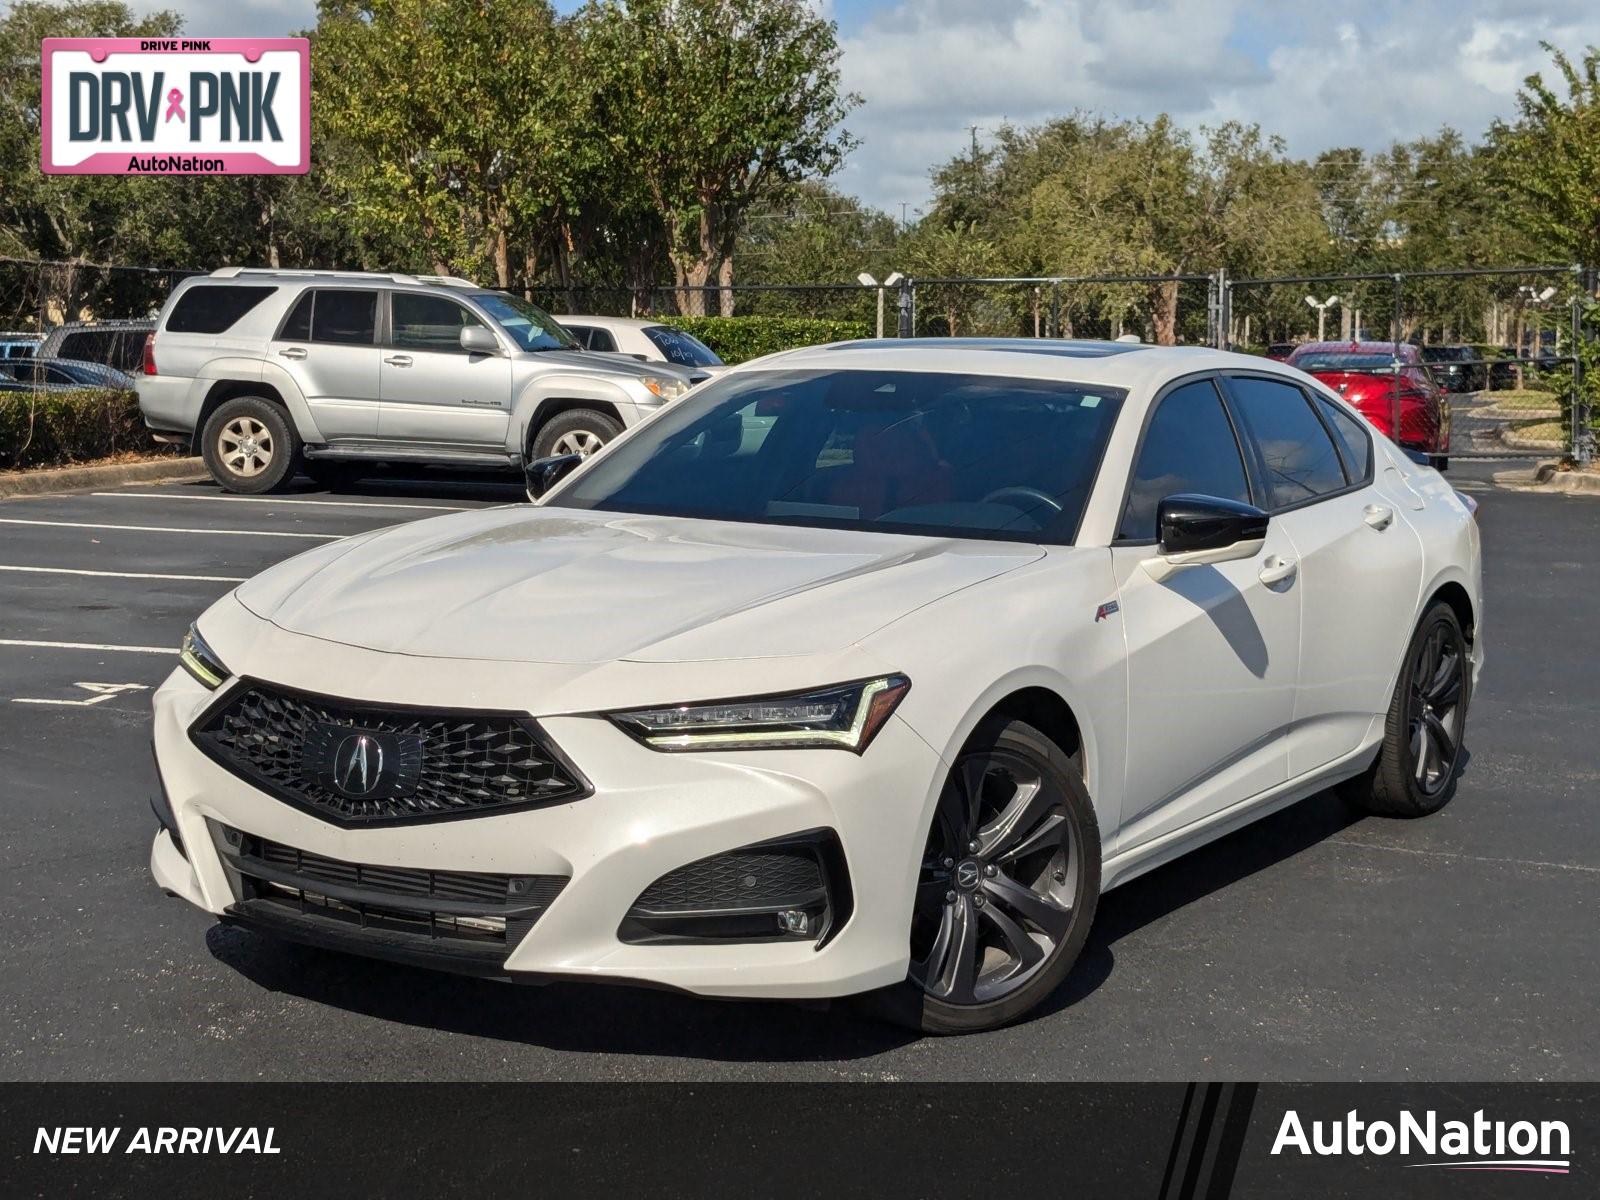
[475, 339]
[1204, 529]
[542, 474]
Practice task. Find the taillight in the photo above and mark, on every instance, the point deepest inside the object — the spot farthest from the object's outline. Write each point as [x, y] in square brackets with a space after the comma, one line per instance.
[149, 354]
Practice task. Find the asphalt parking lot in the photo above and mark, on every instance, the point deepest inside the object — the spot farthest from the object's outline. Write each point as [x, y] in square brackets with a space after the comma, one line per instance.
[1313, 945]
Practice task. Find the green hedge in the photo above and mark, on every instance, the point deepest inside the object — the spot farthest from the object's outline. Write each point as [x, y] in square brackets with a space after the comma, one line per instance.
[52, 429]
[738, 339]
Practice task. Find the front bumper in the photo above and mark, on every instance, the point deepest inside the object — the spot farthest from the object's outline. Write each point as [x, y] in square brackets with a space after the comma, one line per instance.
[649, 814]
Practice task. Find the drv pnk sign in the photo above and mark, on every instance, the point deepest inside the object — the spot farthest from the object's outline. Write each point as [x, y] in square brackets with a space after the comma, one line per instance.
[176, 106]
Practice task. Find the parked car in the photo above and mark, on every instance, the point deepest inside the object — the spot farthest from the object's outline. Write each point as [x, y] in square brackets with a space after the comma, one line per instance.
[118, 344]
[1456, 368]
[67, 372]
[1368, 375]
[1280, 351]
[648, 341]
[19, 345]
[879, 698]
[267, 372]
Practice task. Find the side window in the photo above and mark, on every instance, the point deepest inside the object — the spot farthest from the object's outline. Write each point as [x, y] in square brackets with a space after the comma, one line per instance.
[581, 334]
[214, 307]
[346, 318]
[423, 322]
[1299, 457]
[1188, 447]
[298, 326]
[1353, 439]
[601, 340]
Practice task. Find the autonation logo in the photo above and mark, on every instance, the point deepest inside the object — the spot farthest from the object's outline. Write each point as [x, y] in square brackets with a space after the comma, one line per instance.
[1476, 1145]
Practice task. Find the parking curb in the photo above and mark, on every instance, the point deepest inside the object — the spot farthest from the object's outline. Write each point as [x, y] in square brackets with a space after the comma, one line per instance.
[1549, 477]
[67, 479]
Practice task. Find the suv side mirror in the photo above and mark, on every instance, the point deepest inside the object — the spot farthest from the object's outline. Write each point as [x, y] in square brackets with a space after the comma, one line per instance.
[1204, 529]
[542, 474]
[475, 339]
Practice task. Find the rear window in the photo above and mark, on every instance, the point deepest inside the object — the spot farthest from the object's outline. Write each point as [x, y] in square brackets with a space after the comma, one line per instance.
[1342, 360]
[119, 348]
[214, 307]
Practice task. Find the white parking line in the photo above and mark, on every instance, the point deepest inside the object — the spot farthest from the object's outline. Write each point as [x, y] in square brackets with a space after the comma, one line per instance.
[323, 537]
[124, 574]
[285, 501]
[88, 646]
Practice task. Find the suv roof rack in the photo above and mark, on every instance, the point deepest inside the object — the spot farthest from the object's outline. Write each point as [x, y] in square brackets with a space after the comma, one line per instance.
[386, 276]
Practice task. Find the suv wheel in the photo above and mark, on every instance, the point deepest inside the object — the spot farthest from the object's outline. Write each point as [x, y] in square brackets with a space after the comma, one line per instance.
[576, 431]
[1009, 883]
[249, 446]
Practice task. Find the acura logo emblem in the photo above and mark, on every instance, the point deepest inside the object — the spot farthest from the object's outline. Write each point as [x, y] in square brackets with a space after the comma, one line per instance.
[967, 874]
[358, 764]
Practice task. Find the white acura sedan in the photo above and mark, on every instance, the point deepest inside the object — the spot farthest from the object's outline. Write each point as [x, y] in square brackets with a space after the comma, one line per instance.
[863, 669]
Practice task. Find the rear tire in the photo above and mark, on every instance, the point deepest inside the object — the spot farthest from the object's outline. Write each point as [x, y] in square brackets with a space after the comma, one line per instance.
[1420, 758]
[249, 446]
[996, 929]
[576, 431]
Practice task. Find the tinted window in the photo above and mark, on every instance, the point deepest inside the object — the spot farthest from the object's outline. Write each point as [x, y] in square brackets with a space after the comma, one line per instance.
[582, 334]
[682, 348]
[297, 327]
[890, 451]
[1341, 360]
[1188, 447]
[423, 322]
[347, 318]
[601, 340]
[1299, 457]
[1352, 437]
[214, 307]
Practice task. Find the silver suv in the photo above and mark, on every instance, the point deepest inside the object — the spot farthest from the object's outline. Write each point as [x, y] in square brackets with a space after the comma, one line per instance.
[269, 372]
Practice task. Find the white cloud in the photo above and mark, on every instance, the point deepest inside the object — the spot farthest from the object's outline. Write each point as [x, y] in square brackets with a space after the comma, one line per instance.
[1362, 73]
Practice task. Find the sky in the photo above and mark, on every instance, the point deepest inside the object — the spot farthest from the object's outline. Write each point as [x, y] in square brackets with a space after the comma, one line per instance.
[1352, 73]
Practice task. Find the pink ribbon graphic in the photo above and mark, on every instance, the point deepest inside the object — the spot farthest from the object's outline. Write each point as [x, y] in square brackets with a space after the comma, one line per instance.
[175, 106]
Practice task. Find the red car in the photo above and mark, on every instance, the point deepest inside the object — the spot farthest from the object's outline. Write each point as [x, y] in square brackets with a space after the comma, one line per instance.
[1365, 374]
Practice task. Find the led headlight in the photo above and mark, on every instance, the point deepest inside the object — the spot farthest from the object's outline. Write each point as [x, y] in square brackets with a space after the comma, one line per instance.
[846, 716]
[201, 661]
[664, 386]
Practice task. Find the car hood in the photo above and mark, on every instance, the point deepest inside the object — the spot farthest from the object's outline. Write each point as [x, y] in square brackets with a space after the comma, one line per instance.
[570, 586]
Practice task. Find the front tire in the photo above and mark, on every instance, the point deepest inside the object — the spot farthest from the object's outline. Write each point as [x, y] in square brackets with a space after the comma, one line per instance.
[1008, 887]
[577, 431]
[249, 446]
[1415, 772]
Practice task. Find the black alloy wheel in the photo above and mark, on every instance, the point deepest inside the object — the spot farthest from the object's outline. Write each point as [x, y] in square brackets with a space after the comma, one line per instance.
[1421, 754]
[1008, 884]
[1435, 713]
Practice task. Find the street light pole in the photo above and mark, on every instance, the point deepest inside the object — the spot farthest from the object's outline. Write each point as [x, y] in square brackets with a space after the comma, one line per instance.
[1322, 307]
[867, 280]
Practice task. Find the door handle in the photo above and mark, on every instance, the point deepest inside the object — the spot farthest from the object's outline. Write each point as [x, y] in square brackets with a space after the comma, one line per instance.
[398, 360]
[1379, 516]
[292, 352]
[1276, 570]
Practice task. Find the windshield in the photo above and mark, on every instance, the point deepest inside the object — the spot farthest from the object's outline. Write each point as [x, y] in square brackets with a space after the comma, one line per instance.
[682, 348]
[529, 325]
[1343, 361]
[890, 451]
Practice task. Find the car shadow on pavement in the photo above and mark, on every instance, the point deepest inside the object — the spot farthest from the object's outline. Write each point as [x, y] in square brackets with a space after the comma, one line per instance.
[615, 1019]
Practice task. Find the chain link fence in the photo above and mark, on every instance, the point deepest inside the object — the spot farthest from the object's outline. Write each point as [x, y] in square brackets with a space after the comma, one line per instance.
[1502, 342]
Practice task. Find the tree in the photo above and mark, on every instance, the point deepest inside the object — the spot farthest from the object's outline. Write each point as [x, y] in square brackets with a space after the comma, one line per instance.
[461, 122]
[715, 104]
[1555, 146]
